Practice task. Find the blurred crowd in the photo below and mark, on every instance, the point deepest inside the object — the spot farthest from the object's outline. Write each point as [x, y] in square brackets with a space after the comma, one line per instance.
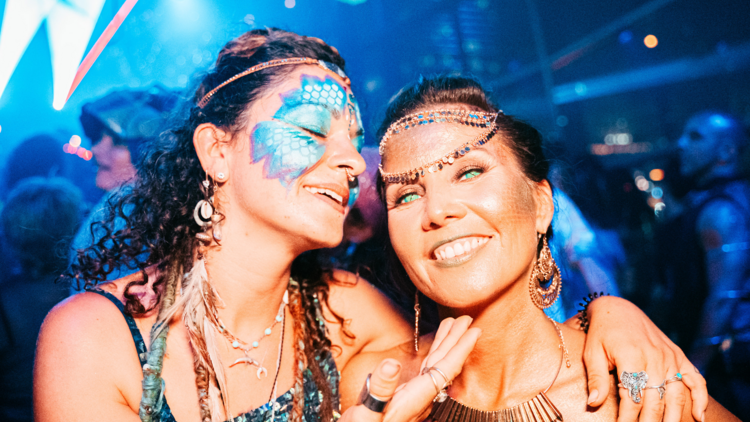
[689, 269]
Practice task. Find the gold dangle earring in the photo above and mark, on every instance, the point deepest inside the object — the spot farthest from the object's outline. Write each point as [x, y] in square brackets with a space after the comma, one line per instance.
[416, 321]
[545, 270]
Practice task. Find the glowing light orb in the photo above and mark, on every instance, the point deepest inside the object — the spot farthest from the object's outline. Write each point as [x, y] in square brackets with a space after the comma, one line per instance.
[651, 41]
[657, 175]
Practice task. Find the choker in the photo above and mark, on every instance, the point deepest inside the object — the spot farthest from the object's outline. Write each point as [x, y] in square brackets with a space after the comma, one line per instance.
[538, 409]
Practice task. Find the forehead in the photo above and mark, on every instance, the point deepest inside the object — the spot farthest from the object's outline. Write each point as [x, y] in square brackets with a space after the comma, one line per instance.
[300, 79]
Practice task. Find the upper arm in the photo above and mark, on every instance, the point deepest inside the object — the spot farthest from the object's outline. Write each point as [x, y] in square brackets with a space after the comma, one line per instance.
[372, 321]
[86, 363]
[721, 225]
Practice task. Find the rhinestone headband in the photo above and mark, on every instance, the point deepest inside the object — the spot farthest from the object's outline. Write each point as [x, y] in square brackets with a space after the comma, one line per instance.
[327, 66]
[468, 118]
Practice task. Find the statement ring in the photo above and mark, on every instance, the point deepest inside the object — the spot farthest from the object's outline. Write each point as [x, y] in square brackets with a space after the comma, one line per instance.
[369, 401]
[635, 382]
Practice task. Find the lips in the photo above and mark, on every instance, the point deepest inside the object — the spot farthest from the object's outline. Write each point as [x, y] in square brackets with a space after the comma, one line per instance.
[334, 192]
[459, 247]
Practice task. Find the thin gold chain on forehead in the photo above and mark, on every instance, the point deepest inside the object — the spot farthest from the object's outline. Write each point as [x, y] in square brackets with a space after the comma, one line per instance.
[478, 119]
[327, 66]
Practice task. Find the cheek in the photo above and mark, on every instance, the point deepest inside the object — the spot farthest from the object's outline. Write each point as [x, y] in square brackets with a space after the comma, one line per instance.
[287, 152]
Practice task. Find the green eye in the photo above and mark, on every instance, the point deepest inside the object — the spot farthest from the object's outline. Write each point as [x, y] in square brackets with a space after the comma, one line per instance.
[471, 174]
[409, 197]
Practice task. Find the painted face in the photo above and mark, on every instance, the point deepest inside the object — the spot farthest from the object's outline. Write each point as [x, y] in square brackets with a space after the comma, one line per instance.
[289, 176]
[290, 143]
[467, 233]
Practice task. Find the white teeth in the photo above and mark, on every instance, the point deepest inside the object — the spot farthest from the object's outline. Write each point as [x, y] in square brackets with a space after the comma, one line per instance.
[334, 195]
[338, 198]
[458, 248]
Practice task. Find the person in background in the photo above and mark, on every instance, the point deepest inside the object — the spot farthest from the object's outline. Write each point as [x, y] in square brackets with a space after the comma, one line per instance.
[39, 220]
[707, 258]
[40, 155]
[119, 125]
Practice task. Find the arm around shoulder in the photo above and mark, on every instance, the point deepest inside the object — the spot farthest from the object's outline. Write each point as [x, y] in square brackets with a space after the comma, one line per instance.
[375, 323]
[86, 366]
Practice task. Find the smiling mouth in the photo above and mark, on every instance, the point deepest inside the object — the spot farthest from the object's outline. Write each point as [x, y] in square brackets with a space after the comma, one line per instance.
[459, 247]
[327, 193]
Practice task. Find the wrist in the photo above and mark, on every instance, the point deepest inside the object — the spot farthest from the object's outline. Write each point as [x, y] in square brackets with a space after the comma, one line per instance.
[584, 314]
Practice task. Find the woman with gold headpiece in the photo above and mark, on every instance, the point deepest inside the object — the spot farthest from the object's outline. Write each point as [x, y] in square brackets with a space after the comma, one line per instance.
[229, 316]
[469, 208]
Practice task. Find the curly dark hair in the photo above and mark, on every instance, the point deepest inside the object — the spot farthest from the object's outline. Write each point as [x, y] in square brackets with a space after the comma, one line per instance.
[522, 139]
[157, 208]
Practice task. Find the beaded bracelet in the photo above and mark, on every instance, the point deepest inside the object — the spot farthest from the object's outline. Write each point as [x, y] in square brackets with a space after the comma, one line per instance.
[583, 312]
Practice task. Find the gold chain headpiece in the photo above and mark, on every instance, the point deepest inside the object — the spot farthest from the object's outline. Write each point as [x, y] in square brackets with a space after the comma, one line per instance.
[479, 119]
[327, 66]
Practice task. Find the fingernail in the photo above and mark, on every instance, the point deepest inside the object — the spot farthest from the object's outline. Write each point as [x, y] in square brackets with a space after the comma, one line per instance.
[390, 370]
[593, 396]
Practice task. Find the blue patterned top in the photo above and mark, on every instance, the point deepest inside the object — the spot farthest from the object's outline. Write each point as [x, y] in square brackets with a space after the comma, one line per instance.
[313, 396]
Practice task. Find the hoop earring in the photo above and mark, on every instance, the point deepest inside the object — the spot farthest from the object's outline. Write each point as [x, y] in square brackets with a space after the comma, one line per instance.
[349, 175]
[416, 321]
[545, 269]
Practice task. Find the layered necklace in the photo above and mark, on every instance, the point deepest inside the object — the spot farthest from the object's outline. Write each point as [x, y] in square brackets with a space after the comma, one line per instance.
[538, 409]
[245, 347]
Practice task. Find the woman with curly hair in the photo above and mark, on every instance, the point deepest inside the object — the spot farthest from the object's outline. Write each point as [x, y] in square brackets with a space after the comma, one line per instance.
[241, 323]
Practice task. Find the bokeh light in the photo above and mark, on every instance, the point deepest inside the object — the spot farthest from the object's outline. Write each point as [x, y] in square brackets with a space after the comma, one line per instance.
[657, 175]
[75, 141]
[651, 41]
[290, 4]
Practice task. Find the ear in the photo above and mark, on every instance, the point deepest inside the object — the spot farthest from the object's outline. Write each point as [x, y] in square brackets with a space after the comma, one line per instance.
[545, 206]
[210, 144]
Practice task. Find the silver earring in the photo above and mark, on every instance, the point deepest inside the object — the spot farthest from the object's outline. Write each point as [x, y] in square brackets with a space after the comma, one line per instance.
[220, 176]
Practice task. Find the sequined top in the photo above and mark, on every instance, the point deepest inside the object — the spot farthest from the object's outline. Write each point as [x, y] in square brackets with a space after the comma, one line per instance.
[283, 403]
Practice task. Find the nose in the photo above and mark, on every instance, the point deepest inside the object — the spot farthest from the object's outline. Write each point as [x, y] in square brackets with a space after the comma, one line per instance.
[441, 208]
[343, 156]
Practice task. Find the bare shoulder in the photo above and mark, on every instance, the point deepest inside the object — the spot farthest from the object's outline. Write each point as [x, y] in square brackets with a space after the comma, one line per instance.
[570, 391]
[354, 374]
[85, 346]
[361, 318]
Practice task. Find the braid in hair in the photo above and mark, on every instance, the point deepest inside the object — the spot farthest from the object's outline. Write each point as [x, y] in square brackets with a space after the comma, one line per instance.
[300, 360]
[316, 345]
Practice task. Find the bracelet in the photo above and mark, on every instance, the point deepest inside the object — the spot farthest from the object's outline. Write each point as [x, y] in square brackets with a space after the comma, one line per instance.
[583, 315]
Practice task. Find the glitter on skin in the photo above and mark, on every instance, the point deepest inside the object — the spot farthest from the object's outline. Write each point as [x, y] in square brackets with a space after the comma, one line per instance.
[286, 145]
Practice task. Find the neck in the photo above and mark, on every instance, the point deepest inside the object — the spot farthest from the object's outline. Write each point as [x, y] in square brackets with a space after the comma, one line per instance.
[250, 270]
[516, 357]
[718, 171]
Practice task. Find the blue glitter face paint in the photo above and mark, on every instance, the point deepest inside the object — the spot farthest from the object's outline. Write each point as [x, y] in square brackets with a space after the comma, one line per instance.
[286, 144]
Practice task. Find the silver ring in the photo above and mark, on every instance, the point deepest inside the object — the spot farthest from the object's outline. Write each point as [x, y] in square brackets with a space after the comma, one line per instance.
[635, 382]
[442, 395]
[369, 401]
[660, 388]
[675, 378]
